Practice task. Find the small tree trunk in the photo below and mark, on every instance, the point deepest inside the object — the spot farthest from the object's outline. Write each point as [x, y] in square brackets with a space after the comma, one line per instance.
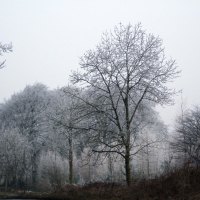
[70, 160]
[34, 171]
[148, 163]
[110, 168]
[89, 172]
[127, 167]
[6, 183]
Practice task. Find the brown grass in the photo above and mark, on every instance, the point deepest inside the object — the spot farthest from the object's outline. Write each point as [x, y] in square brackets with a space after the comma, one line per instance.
[181, 184]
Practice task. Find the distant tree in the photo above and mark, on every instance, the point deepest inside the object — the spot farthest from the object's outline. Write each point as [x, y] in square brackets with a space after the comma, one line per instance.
[153, 137]
[125, 72]
[25, 112]
[52, 170]
[187, 140]
[4, 48]
[63, 114]
[14, 158]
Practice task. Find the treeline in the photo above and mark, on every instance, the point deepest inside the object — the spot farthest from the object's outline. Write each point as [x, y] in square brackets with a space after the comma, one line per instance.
[45, 142]
[103, 127]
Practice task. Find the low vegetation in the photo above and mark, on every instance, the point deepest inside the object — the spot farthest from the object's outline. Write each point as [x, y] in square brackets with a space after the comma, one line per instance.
[179, 184]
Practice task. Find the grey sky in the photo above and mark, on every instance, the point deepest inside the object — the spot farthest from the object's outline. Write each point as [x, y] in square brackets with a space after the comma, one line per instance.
[49, 36]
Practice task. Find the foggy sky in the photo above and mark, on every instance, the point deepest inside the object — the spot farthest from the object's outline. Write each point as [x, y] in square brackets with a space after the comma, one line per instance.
[49, 37]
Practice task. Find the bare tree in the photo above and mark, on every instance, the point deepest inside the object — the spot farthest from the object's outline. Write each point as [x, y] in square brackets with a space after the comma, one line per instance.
[63, 115]
[4, 48]
[127, 70]
[187, 141]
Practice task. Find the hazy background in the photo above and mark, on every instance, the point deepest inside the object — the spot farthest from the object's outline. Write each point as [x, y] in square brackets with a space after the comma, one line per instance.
[49, 37]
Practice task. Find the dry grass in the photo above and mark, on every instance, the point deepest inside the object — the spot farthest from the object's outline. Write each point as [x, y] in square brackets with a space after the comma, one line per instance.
[181, 184]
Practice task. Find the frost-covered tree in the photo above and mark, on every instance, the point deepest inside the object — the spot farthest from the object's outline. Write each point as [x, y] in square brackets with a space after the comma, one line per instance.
[25, 112]
[63, 113]
[126, 70]
[15, 159]
[52, 171]
[153, 138]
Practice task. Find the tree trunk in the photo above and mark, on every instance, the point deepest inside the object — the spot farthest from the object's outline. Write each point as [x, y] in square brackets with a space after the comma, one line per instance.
[127, 167]
[110, 168]
[148, 163]
[34, 171]
[6, 182]
[70, 159]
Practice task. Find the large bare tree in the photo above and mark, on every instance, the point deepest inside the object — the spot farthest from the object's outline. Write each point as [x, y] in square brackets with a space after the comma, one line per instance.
[127, 70]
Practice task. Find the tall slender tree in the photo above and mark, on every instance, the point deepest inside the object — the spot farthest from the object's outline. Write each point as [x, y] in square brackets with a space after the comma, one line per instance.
[63, 115]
